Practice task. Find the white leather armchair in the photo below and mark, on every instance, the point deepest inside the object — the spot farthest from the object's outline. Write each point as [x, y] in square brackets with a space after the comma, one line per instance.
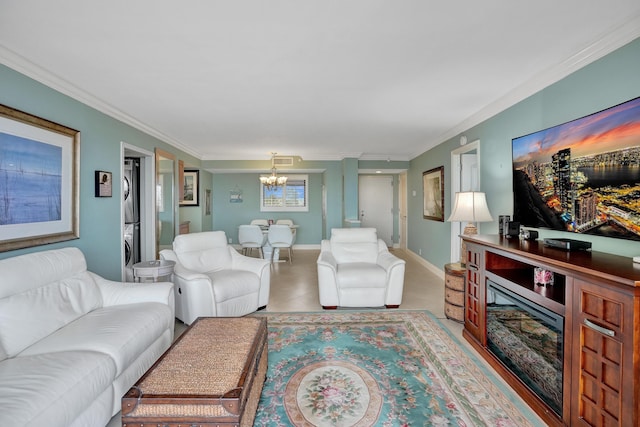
[212, 279]
[355, 269]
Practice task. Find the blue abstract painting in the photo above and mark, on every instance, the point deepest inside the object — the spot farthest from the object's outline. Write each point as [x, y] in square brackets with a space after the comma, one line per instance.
[30, 181]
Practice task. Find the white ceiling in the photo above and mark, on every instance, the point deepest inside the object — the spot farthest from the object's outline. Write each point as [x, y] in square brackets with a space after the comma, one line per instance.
[322, 79]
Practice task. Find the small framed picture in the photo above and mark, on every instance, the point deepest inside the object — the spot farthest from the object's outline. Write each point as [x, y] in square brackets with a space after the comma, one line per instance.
[191, 191]
[433, 188]
[104, 184]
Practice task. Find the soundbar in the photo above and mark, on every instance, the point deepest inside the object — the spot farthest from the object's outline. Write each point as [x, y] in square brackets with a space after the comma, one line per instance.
[568, 244]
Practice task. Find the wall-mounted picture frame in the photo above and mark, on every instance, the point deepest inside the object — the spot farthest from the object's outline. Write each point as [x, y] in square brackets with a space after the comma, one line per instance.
[39, 181]
[191, 188]
[103, 184]
[433, 190]
[207, 201]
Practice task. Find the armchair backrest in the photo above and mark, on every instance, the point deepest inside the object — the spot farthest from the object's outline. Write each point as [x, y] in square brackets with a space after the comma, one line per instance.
[203, 252]
[354, 244]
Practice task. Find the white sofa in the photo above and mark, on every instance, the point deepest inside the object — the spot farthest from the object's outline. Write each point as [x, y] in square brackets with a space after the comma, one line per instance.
[212, 279]
[356, 269]
[71, 342]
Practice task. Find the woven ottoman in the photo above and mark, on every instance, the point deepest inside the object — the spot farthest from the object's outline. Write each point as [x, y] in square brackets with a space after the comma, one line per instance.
[211, 376]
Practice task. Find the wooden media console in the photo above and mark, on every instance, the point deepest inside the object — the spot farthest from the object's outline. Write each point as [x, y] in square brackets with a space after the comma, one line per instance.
[595, 297]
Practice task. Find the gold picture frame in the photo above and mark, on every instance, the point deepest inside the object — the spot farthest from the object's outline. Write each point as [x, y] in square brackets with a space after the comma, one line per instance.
[39, 181]
[433, 191]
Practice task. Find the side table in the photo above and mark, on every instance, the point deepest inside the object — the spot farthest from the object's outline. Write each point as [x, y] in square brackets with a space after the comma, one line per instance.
[152, 269]
[454, 291]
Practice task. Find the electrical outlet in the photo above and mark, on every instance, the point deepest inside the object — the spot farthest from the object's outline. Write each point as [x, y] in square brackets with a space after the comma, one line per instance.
[230, 239]
[419, 251]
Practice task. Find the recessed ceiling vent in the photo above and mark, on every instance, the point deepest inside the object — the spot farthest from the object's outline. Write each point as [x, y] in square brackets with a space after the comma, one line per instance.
[283, 160]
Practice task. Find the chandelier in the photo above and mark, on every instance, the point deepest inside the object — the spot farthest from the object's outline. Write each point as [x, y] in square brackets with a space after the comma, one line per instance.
[274, 180]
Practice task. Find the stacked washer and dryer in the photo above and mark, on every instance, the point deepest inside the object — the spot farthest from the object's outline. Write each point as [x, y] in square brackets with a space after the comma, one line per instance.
[131, 192]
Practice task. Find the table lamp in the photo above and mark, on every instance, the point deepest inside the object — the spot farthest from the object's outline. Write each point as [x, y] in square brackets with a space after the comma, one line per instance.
[470, 207]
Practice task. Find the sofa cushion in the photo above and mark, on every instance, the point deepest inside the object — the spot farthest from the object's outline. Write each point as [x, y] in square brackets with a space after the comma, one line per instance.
[204, 252]
[54, 284]
[51, 389]
[122, 332]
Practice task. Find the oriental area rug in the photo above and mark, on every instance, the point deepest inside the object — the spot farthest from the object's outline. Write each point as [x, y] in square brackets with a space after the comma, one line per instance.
[378, 368]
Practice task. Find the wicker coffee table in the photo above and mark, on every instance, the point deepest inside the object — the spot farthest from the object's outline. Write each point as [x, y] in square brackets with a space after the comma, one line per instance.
[211, 376]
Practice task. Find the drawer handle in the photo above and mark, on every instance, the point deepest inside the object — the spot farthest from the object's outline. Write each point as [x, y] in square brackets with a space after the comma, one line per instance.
[598, 328]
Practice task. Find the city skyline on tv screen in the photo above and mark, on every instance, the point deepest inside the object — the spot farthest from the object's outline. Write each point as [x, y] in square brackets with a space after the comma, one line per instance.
[582, 176]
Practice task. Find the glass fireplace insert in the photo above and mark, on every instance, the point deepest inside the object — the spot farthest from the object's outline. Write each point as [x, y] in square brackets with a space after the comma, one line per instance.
[528, 339]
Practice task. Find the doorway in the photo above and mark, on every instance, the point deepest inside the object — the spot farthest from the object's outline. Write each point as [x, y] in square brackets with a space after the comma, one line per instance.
[145, 206]
[375, 202]
[465, 176]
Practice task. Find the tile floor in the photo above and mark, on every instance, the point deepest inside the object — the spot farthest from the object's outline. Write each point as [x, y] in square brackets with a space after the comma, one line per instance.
[294, 287]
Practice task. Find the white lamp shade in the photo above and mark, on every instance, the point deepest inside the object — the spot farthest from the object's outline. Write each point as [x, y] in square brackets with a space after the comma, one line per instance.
[470, 206]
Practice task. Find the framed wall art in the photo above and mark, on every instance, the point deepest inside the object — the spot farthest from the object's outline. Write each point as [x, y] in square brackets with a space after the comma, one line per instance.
[39, 181]
[191, 191]
[103, 184]
[433, 190]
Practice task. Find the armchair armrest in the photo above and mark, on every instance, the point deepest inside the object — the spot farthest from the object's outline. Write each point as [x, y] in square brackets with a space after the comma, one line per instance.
[242, 262]
[185, 274]
[326, 259]
[387, 260]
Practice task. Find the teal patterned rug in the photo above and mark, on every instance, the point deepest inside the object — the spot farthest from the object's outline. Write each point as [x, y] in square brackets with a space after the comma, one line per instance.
[378, 368]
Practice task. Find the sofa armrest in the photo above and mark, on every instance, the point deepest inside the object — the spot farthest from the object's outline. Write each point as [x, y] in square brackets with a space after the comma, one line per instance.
[118, 293]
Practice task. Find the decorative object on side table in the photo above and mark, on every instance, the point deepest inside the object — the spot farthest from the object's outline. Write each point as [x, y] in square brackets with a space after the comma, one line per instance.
[470, 206]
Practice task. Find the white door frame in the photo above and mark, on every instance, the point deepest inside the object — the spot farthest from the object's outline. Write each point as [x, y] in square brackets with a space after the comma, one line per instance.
[147, 201]
[402, 205]
[456, 185]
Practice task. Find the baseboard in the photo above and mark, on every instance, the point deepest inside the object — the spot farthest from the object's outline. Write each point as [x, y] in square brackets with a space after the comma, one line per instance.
[435, 270]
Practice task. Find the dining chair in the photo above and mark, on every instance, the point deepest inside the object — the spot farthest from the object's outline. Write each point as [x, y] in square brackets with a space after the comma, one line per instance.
[280, 236]
[251, 237]
[290, 224]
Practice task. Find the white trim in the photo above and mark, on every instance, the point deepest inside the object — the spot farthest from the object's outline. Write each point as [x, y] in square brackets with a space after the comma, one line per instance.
[606, 44]
[435, 270]
[292, 178]
[456, 227]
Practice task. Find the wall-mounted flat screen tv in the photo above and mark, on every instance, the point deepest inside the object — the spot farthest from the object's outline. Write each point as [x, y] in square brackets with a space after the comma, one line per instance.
[582, 176]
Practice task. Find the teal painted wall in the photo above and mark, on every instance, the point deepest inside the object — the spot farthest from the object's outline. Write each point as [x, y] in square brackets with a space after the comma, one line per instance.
[100, 140]
[606, 82]
[609, 81]
[228, 215]
[331, 175]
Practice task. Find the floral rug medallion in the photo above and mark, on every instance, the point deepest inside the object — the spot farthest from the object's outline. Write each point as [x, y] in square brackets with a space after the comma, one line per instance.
[378, 368]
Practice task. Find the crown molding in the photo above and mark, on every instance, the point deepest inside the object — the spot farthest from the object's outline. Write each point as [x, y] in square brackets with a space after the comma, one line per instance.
[39, 74]
[606, 44]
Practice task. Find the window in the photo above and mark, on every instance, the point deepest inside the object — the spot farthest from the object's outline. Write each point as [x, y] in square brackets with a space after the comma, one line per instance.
[291, 197]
